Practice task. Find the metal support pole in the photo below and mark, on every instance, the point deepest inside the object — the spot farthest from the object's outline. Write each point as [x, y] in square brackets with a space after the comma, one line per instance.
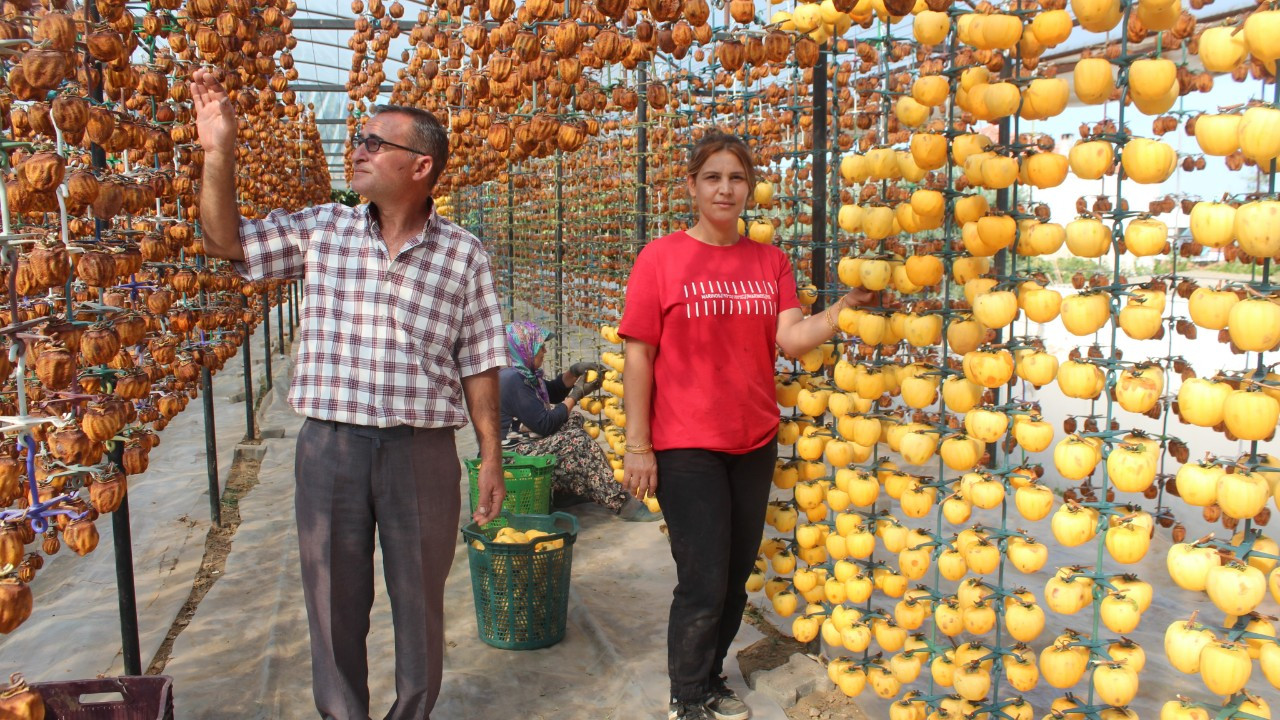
[511, 247]
[296, 288]
[1004, 205]
[121, 533]
[266, 340]
[211, 448]
[559, 262]
[292, 322]
[122, 540]
[280, 317]
[642, 157]
[818, 259]
[250, 431]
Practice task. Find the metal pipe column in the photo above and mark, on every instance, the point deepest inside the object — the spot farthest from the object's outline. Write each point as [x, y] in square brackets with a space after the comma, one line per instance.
[559, 262]
[642, 157]
[266, 340]
[818, 259]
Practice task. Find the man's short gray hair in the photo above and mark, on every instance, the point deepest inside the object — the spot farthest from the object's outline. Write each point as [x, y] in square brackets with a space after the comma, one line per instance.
[429, 135]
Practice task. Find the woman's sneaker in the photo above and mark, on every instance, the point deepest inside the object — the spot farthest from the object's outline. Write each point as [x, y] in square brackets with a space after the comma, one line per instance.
[695, 710]
[724, 703]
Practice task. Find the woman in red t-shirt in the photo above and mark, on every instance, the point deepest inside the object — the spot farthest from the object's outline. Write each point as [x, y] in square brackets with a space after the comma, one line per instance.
[705, 310]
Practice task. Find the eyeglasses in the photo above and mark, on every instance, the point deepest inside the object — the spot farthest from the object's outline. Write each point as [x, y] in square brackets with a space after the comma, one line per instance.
[373, 144]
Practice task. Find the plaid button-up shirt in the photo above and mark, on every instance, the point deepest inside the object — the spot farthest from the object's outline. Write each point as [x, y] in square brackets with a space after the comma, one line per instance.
[384, 341]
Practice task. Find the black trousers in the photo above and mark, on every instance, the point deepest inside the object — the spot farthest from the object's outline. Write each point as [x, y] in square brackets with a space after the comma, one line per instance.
[714, 505]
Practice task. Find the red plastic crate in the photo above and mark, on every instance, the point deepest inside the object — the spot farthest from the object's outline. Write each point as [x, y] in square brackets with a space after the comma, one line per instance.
[130, 697]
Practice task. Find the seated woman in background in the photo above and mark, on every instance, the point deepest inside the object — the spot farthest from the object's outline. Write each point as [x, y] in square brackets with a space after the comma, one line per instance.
[537, 419]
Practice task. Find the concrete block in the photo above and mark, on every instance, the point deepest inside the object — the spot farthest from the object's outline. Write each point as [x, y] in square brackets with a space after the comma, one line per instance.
[777, 685]
[810, 675]
[271, 432]
[251, 452]
[786, 684]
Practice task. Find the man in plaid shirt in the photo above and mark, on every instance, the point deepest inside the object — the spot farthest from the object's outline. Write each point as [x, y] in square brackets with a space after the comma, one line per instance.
[400, 324]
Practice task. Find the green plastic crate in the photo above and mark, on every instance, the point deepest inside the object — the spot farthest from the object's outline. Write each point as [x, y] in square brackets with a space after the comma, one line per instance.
[528, 480]
[521, 593]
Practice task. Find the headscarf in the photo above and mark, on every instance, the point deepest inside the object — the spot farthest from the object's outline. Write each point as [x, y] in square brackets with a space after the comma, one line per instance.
[524, 340]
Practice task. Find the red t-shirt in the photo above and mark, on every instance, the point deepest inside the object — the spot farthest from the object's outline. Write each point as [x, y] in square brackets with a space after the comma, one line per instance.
[712, 312]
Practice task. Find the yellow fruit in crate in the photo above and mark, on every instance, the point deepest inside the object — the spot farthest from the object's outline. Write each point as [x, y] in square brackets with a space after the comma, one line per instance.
[1075, 459]
[1222, 49]
[1148, 161]
[1225, 667]
[1085, 313]
[1256, 228]
[929, 150]
[1262, 34]
[1088, 237]
[1093, 80]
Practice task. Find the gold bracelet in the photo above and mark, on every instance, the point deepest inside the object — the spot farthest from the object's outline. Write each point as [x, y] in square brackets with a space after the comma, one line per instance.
[830, 323]
[638, 449]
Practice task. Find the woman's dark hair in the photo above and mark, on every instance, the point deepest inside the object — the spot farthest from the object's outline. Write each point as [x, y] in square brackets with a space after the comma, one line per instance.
[715, 141]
